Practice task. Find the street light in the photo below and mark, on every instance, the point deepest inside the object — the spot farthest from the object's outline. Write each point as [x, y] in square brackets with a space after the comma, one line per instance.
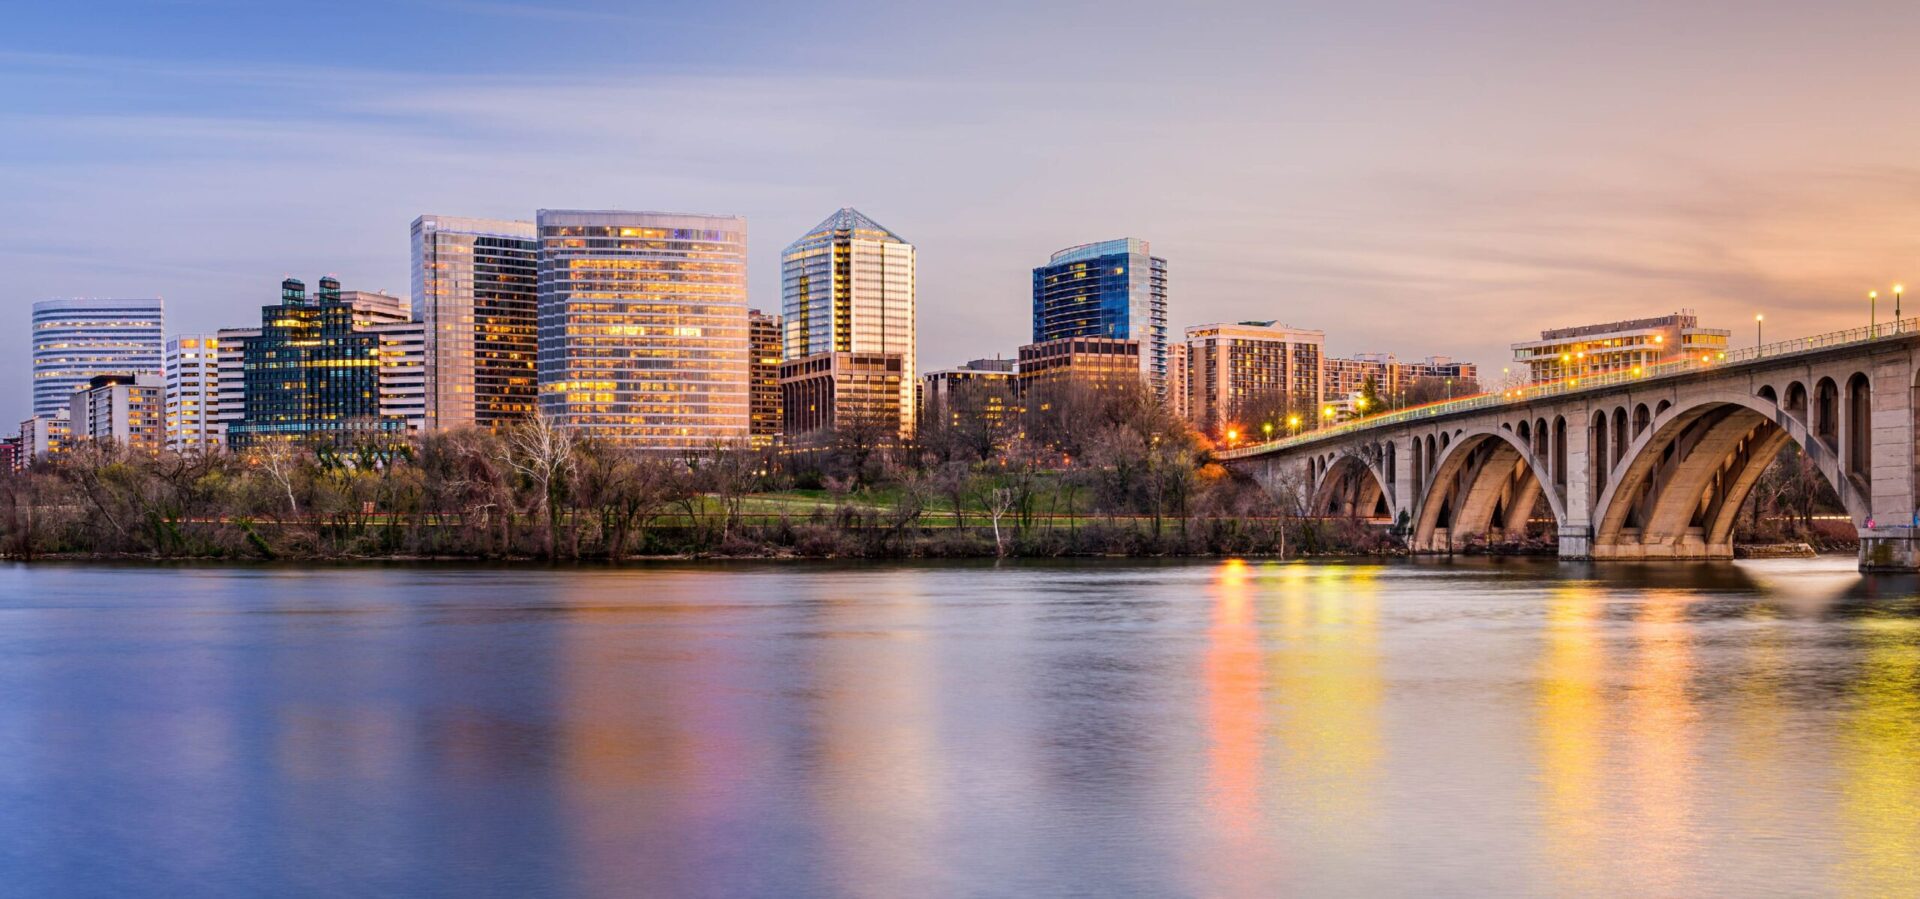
[1759, 320]
[1897, 291]
[1293, 422]
[1873, 312]
[1268, 428]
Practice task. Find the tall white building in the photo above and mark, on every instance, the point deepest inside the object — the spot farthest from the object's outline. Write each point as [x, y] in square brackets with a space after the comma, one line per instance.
[643, 326]
[231, 399]
[192, 367]
[475, 290]
[403, 372]
[847, 286]
[76, 339]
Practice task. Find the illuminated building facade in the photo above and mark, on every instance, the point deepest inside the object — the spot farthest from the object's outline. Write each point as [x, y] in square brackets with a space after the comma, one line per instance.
[1115, 290]
[829, 391]
[847, 286]
[192, 373]
[315, 370]
[643, 327]
[124, 411]
[46, 435]
[1244, 370]
[1094, 363]
[763, 373]
[1589, 350]
[475, 292]
[75, 339]
[985, 389]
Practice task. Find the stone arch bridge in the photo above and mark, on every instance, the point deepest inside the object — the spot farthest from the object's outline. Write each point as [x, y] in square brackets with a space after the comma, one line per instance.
[1648, 464]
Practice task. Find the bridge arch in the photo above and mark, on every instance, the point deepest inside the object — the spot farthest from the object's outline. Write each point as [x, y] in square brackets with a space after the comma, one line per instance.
[1684, 479]
[1488, 479]
[1351, 486]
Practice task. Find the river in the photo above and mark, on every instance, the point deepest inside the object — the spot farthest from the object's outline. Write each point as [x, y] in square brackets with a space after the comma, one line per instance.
[1201, 728]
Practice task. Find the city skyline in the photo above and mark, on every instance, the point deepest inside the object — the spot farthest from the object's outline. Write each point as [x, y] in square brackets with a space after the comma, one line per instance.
[1399, 161]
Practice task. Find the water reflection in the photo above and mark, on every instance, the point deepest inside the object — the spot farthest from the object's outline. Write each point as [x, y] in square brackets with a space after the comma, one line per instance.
[1880, 758]
[1242, 728]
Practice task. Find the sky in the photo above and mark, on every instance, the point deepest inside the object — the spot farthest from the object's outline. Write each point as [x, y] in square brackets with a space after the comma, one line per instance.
[1412, 177]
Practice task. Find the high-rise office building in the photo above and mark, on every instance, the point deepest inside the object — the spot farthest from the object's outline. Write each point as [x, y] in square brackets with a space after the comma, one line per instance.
[125, 411]
[475, 292]
[75, 339]
[232, 376]
[192, 367]
[1088, 363]
[764, 376]
[1115, 290]
[1254, 370]
[643, 326]
[315, 371]
[847, 286]
[829, 391]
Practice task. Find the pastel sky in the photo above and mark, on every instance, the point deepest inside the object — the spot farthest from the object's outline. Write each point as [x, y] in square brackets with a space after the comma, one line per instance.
[1412, 177]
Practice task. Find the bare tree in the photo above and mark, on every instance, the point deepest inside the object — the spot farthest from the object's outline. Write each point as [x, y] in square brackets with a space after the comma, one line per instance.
[542, 452]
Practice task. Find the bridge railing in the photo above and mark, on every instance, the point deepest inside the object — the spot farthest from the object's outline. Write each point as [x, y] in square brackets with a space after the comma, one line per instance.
[1529, 393]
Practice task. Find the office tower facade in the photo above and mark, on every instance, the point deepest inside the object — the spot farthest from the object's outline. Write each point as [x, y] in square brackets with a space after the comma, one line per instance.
[1240, 372]
[848, 286]
[764, 340]
[1116, 290]
[643, 327]
[76, 339]
[980, 394]
[232, 376]
[1090, 363]
[123, 411]
[475, 292]
[1585, 351]
[829, 391]
[192, 370]
[315, 370]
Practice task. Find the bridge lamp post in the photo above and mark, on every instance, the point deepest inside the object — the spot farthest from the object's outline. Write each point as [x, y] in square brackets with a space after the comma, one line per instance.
[1897, 291]
[1759, 322]
[1293, 423]
[1873, 312]
[1326, 416]
[1268, 428]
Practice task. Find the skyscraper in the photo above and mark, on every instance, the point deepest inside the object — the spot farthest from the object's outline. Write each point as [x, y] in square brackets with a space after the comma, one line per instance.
[1114, 289]
[765, 376]
[317, 370]
[73, 340]
[192, 368]
[847, 286]
[475, 292]
[643, 326]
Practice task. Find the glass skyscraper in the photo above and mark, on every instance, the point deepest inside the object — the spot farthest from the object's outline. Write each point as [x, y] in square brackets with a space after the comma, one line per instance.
[643, 326]
[847, 286]
[474, 291]
[74, 340]
[316, 370]
[1114, 289]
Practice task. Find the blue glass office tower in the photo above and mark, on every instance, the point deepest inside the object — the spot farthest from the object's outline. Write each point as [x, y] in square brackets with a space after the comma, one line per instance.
[1115, 288]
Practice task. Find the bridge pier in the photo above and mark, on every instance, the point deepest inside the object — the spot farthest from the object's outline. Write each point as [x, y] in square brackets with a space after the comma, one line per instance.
[1890, 549]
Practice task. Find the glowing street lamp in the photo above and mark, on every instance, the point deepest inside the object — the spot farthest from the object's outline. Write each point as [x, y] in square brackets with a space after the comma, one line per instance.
[1232, 435]
[1897, 291]
[1268, 428]
[1873, 311]
[1759, 321]
[1293, 422]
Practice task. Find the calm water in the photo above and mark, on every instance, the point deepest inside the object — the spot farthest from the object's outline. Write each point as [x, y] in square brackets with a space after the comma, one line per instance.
[1205, 729]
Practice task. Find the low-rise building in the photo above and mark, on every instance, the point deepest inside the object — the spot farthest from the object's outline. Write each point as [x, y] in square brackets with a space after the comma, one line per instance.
[829, 391]
[1588, 350]
[1094, 363]
[45, 436]
[982, 392]
[125, 411]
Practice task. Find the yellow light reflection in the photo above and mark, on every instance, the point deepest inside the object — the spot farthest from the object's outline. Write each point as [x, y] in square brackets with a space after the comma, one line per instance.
[1233, 674]
[1880, 757]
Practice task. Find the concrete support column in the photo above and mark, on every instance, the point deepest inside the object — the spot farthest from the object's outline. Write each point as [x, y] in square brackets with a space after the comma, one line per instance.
[1892, 542]
[1576, 531]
